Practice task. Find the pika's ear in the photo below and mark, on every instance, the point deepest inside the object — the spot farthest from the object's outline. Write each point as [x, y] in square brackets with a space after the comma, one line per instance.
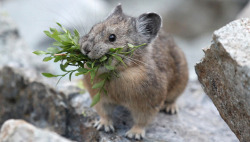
[117, 10]
[148, 25]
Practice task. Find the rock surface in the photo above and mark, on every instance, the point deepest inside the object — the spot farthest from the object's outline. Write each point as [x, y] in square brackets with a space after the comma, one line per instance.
[32, 101]
[69, 114]
[224, 73]
[21, 131]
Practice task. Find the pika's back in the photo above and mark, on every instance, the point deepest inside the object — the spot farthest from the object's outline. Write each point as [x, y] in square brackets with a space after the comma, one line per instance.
[169, 60]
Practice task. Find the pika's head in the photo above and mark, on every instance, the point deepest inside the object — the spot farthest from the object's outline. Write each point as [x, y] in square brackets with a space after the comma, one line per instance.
[117, 30]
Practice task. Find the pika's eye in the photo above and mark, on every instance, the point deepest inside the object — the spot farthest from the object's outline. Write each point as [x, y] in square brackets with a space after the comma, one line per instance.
[112, 38]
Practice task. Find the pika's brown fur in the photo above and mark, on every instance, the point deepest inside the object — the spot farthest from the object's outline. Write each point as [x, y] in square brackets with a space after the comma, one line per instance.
[154, 77]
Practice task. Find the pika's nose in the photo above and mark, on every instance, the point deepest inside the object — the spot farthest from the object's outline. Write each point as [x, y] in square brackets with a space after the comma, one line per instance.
[86, 50]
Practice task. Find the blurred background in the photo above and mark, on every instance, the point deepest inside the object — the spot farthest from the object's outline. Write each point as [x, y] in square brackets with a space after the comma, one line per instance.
[22, 22]
[191, 22]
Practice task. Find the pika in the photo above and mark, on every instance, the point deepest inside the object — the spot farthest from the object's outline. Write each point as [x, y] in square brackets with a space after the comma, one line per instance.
[155, 76]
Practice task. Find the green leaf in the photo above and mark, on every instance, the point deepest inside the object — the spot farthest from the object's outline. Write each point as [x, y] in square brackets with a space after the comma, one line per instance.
[63, 67]
[83, 70]
[53, 30]
[49, 75]
[110, 60]
[48, 34]
[76, 33]
[119, 59]
[109, 67]
[70, 75]
[55, 36]
[69, 35]
[59, 24]
[81, 65]
[53, 50]
[76, 40]
[59, 79]
[112, 50]
[46, 59]
[65, 38]
[89, 64]
[76, 37]
[103, 58]
[99, 84]
[130, 45]
[118, 50]
[58, 58]
[93, 64]
[140, 45]
[66, 31]
[40, 52]
[96, 99]
[62, 27]
[104, 75]
[58, 44]
[79, 73]
[115, 49]
[93, 74]
[105, 91]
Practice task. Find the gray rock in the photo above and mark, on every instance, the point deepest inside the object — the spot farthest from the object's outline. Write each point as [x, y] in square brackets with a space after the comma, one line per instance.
[44, 106]
[32, 101]
[224, 73]
[21, 131]
[37, 103]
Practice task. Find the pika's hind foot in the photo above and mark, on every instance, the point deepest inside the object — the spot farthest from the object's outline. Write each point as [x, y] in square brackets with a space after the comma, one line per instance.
[135, 133]
[104, 124]
[171, 108]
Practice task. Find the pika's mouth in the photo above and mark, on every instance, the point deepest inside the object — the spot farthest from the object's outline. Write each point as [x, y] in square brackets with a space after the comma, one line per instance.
[97, 56]
[94, 54]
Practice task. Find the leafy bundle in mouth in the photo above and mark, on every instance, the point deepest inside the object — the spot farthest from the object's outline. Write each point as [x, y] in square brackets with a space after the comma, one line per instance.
[66, 49]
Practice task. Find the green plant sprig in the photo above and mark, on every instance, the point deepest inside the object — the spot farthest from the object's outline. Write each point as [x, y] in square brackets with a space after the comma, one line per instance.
[67, 50]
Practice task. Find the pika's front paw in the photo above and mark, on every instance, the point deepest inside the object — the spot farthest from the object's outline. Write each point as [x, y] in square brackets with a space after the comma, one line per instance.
[171, 108]
[105, 124]
[136, 133]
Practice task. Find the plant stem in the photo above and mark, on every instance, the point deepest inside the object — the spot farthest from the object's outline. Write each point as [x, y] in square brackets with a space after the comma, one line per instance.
[60, 54]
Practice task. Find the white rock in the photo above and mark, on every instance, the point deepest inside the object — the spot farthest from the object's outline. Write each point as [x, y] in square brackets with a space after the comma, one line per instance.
[21, 131]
